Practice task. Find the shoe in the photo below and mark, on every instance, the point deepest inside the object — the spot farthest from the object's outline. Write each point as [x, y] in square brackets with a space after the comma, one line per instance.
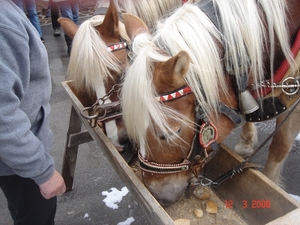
[56, 33]
[42, 39]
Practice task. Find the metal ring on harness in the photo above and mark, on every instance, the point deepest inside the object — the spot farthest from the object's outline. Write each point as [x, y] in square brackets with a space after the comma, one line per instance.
[286, 86]
[88, 110]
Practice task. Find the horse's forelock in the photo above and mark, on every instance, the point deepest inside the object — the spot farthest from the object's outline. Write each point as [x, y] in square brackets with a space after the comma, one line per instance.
[141, 111]
[178, 33]
[90, 62]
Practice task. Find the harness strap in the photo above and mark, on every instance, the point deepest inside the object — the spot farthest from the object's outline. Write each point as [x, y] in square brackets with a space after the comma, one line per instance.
[208, 7]
[231, 113]
[245, 164]
[270, 108]
[181, 92]
[274, 97]
[152, 167]
[117, 46]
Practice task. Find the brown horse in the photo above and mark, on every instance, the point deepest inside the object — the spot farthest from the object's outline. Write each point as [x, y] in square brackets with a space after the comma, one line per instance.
[100, 54]
[187, 81]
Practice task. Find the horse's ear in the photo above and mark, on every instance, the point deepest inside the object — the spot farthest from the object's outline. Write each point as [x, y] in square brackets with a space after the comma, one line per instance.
[134, 25]
[69, 26]
[177, 65]
[111, 21]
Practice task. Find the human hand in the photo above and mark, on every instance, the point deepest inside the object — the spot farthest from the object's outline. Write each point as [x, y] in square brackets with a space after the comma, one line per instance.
[55, 186]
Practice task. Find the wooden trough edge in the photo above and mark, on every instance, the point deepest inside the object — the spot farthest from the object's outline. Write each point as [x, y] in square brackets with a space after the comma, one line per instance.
[249, 186]
[249, 190]
[151, 208]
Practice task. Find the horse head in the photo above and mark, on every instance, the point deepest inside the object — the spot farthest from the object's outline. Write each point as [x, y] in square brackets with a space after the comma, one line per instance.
[163, 107]
[99, 52]
[98, 58]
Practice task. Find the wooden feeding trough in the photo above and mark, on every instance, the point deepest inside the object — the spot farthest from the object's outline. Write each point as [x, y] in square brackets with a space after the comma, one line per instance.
[252, 197]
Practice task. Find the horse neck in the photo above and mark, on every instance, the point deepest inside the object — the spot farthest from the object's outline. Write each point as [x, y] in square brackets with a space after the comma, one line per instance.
[293, 20]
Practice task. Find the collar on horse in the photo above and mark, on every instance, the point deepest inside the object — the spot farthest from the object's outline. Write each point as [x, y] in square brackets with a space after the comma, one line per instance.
[281, 93]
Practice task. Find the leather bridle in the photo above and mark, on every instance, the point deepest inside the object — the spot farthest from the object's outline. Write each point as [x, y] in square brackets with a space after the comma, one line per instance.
[205, 136]
[101, 111]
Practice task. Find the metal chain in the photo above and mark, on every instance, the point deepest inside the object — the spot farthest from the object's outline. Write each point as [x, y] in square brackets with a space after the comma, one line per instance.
[99, 109]
[115, 89]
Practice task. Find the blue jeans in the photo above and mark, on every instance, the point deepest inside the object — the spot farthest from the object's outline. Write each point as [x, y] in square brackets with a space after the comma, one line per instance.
[30, 7]
[69, 9]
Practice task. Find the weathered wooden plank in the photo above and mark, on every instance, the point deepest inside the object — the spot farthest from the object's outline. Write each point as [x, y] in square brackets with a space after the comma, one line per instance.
[79, 138]
[152, 209]
[70, 155]
[251, 194]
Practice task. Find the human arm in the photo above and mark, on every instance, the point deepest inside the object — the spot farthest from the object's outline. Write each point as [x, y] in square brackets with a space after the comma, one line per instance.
[25, 88]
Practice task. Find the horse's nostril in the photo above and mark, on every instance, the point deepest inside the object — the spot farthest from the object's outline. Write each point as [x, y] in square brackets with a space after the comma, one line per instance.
[162, 137]
[123, 140]
[123, 137]
[165, 203]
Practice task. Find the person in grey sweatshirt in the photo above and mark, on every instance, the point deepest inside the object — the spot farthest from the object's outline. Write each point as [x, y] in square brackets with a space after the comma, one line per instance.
[28, 177]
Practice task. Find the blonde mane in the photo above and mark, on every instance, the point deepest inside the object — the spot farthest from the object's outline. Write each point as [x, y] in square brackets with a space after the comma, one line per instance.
[138, 103]
[148, 10]
[190, 29]
[90, 62]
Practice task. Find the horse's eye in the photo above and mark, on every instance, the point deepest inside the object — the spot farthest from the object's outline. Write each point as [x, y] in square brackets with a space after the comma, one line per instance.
[162, 137]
